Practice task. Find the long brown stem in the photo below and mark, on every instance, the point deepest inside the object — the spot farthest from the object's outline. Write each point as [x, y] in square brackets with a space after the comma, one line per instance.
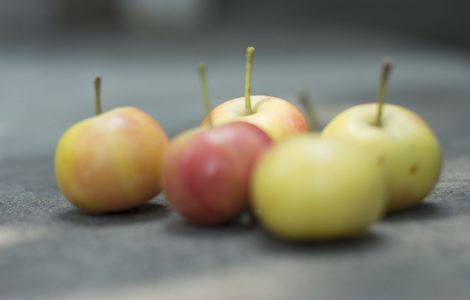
[98, 108]
[382, 92]
[250, 52]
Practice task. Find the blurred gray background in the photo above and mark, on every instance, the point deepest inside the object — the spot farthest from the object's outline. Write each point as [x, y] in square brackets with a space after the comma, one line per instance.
[440, 20]
[146, 52]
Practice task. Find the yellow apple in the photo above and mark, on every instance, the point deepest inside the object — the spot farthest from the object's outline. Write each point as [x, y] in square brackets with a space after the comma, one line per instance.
[404, 147]
[307, 188]
[401, 143]
[111, 162]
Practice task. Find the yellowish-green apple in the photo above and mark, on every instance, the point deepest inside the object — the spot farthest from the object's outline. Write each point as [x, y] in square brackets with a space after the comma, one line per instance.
[308, 188]
[277, 117]
[111, 162]
[402, 144]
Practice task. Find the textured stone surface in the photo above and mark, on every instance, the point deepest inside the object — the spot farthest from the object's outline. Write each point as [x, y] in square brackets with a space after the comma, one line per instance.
[49, 250]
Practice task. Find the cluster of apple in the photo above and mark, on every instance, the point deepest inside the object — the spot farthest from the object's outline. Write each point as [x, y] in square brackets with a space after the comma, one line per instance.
[255, 151]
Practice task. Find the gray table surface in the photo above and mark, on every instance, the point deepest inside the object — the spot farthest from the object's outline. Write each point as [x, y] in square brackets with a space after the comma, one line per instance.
[50, 250]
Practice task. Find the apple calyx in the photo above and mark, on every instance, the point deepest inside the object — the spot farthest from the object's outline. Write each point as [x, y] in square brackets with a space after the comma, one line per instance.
[382, 92]
[308, 107]
[202, 74]
[250, 52]
[98, 107]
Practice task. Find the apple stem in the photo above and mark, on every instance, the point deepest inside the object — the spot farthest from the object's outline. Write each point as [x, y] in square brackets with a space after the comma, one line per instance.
[309, 109]
[202, 72]
[98, 108]
[250, 51]
[382, 92]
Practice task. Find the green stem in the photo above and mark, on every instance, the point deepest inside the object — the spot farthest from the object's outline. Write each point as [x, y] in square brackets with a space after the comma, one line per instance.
[382, 92]
[250, 51]
[309, 109]
[98, 108]
[202, 72]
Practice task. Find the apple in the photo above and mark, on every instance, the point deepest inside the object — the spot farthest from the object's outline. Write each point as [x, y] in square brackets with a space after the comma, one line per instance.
[206, 171]
[307, 188]
[111, 162]
[276, 116]
[402, 144]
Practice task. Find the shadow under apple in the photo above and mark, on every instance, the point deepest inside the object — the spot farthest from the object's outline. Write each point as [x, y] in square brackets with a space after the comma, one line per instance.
[148, 212]
[244, 223]
[425, 211]
[367, 241]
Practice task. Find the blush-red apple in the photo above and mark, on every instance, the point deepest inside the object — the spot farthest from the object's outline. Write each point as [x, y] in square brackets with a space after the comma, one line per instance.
[206, 172]
[278, 117]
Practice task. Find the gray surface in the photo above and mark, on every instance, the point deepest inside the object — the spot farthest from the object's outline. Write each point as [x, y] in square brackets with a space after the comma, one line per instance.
[49, 250]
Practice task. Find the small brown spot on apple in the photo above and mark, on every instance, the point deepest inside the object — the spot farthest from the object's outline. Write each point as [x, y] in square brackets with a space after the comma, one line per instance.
[381, 160]
[414, 168]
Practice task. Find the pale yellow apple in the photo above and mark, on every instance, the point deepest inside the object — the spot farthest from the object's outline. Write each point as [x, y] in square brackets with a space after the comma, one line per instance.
[307, 188]
[404, 147]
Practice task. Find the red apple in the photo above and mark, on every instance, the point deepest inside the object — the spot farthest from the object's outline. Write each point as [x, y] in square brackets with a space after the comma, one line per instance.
[206, 173]
[276, 116]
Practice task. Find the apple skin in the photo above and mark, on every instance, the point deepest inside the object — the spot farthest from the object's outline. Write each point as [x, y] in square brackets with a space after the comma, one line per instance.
[111, 162]
[206, 172]
[308, 188]
[405, 148]
[276, 116]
